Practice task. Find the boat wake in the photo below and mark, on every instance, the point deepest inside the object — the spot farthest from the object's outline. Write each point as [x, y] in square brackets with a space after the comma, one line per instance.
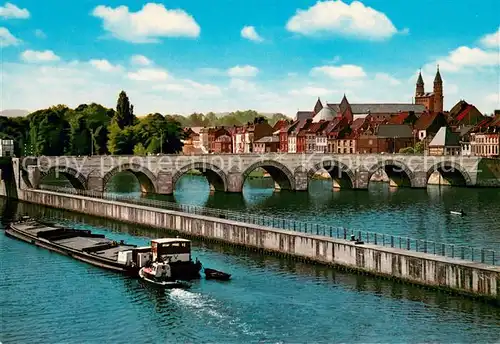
[202, 305]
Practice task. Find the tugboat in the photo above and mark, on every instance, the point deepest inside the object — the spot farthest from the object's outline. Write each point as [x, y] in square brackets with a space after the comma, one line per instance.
[171, 262]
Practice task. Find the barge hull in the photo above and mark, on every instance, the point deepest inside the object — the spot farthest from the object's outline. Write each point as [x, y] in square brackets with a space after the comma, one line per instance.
[82, 256]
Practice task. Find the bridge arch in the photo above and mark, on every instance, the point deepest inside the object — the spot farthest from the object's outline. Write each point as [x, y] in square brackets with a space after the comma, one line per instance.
[450, 173]
[342, 176]
[399, 173]
[145, 177]
[215, 176]
[282, 176]
[76, 179]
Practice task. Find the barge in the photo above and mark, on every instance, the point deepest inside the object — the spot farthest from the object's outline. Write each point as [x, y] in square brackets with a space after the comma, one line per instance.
[100, 251]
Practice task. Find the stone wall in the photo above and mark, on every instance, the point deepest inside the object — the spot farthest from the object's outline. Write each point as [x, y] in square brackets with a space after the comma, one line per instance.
[420, 268]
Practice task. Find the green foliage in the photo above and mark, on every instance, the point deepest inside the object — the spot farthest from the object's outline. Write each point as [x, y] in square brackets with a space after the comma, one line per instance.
[81, 137]
[124, 116]
[93, 128]
[159, 134]
[419, 147]
[17, 129]
[49, 131]
[237, 118]
[407, 150]
[139, 149]
[121, 141]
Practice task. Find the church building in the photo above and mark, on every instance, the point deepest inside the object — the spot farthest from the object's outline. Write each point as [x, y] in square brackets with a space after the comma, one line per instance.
[433, 101]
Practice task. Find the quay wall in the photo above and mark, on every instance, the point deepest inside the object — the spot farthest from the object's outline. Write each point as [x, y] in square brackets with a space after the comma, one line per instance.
[457, 275]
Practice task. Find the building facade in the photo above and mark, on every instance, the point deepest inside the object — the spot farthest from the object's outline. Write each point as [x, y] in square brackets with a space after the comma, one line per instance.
[7, 148]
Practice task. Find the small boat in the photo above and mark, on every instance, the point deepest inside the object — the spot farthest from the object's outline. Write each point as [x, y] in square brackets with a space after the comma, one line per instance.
[146, 275]
[216, 275]
[461, 212]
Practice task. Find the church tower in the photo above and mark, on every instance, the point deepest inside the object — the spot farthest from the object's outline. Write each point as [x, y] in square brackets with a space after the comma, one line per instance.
[420, 86]
[438, 92]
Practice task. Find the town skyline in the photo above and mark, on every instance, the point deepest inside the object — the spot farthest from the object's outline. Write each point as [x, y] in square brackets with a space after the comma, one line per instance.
[183, 61]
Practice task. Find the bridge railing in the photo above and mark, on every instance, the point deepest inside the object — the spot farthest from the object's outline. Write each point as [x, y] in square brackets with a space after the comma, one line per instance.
[470, 253]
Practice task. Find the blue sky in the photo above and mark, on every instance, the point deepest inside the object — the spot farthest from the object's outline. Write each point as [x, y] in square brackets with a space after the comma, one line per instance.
[223, 55]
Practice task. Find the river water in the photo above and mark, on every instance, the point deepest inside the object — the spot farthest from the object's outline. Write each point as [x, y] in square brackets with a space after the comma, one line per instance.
[50, 298]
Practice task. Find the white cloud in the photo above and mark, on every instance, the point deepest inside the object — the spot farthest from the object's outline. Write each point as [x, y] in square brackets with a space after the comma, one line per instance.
[465, 57]
[140, 60]
[7, 39]
[11, 11]
[339, 18]
[492, 40]
[494, 99]
[311, 91]
[242, 71]
[149, 74]
[250, 33]
[147, 25]
[39, 56]
[40, 34]
[242, 85]
[105, 66]
[190, 88]
[346, 71]
[388, 79]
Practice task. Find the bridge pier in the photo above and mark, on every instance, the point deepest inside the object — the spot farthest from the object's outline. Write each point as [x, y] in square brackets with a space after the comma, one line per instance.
[361, 179]
[165, 183]
[95, 183]
[235, 182]
[419, 180]
[301, 180]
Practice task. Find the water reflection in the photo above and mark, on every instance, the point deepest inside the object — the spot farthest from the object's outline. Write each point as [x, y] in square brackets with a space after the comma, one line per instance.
[417, 213]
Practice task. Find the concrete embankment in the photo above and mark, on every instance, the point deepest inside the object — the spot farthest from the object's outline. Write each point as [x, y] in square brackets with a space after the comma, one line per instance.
[465, 277]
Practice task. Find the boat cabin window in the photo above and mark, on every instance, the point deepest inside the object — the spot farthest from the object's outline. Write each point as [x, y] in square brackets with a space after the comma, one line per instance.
[175, 247]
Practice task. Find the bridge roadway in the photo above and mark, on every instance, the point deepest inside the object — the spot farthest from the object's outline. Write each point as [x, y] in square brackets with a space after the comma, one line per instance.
[227, 172]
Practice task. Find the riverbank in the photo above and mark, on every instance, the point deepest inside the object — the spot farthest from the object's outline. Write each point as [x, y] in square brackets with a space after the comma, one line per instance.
[475, 279]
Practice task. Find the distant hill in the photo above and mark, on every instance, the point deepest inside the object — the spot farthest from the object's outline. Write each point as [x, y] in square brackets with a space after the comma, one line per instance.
[14, 113]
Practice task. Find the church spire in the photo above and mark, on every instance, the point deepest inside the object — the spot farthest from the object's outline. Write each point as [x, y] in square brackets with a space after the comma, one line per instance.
[318, 106]
[438, 79]
[420, 85]
[420, 80]
[438, 92]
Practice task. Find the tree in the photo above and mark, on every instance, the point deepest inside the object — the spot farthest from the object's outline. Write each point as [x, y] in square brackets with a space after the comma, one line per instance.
[419, 147]
[50, 132]
[17, 129]
[197, 120]
[121, 141]
[407, 150]
[159, 134]
[139, 149]
[81, 137]
[124, 115]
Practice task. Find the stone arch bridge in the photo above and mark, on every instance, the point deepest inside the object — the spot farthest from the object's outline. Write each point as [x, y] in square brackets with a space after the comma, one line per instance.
[227, 172]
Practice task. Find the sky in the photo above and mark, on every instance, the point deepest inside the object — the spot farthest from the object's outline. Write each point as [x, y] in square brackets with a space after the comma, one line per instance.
[185, 56]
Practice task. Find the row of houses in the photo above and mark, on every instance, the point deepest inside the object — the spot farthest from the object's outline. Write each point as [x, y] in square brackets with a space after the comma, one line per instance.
[346, 128]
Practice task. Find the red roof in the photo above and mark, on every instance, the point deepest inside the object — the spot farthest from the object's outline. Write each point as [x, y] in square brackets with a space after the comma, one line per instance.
[398, 119]
[464, 112]
[425, 120]
[280, 124]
